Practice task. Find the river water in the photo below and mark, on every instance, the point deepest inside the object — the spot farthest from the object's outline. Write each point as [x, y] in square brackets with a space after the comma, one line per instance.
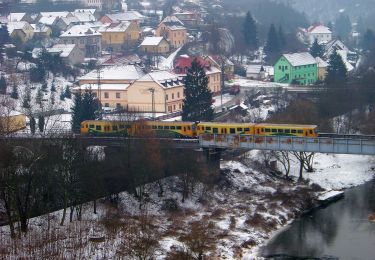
[339, 231]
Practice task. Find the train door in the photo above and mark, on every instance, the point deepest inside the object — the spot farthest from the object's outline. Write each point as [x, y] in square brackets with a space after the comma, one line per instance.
[232, 130]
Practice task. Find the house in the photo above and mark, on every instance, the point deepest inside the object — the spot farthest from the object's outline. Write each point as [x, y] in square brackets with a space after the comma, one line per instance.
[183, 63]
[188, 18]
[70, 53]
[64, 23]
[20, 17]
[92, 11]
[54, 14]
[164, 88]
[296, 68]
[173, 30]
[84, 16]
[334, 45]
[216, 60]
[41, 30]
[322, 68]
[118, 36]
[130, 59]
[48, 20]
[255, 72]
[154, 45]
[87, 39]
[114, 82]
[128, 16]
[23, 30]
[319, 32]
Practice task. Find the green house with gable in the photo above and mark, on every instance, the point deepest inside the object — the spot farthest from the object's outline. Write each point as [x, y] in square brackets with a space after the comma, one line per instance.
[297, 68]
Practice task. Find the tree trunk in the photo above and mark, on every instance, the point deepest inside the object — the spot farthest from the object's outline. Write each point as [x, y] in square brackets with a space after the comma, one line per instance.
[94, 206]
[71, 213]
[64, 211]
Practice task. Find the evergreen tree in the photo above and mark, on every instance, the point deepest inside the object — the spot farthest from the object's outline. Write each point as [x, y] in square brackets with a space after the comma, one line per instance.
[198, 98]
[77, 113]
[32, 125]
[53, 88]
[44, 87]
[249, 30]
[281, 36]
[90, 105]
[39, 96]
[67, 92]
[37, 74]
[62, 96]
[368, 41]
[316, 49]
[336, 70]
[53, 98]
[343, 26]
[41, 123]
[26, 99]
[14, 93]
[4, 35]
[3, 85]
[272, 47]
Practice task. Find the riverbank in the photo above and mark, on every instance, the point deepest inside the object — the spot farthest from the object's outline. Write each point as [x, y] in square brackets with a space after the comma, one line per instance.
[333, 173]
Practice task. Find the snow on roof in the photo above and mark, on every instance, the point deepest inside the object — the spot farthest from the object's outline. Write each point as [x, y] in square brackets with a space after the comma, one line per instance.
[126, 16]
[172, 19]
[124, 72]
[321, 63]
[63, 49]
[103, 86]
[16, 26]
[15, 17]
[253, 68]
[55, 14]
[164, 78]
[319, 29]
[151, 41]
[344, 56]
[48, 20]
[115, 27]
[80, 30]
[301, 58]
[211, 70]
[85, 17]
[39, 28]
[69, 20]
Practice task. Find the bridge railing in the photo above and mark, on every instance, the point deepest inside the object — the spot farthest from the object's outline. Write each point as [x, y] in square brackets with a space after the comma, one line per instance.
[289, 143]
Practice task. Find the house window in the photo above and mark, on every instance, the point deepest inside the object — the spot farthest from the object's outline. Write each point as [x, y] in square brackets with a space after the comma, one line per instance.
[169, 108]
[166, 97]
[178, 94]
[172, 95]
[286, 67]
[106, 95]
[174, 107]
[118, 95]
[106, 104]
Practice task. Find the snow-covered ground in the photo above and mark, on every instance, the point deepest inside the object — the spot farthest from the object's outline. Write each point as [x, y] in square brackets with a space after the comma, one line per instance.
[247, 208]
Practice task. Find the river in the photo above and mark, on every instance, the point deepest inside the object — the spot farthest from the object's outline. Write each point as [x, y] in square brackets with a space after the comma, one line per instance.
[339, 231]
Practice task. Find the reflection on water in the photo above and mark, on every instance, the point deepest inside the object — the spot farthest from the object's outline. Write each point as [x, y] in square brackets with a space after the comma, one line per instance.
[340, 231]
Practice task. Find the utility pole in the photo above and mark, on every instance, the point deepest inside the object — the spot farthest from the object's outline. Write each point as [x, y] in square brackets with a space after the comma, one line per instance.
[152, 91]
[222, 81]
[98, 74]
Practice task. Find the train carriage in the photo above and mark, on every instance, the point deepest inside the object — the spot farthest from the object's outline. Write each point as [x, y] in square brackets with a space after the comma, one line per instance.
[169, 129]
[225, 128]
[286, 130]
[107, 128]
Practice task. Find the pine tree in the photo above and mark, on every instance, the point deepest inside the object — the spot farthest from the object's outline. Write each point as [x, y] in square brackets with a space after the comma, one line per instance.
[336, 70]
[44, 87]
[77, 113]
[62, 96]
[368, 41]
[41, 123]
[14, 93]
[67, 92]
[3, 85]
[26, 99]
[4, 35]
[316, 49]
[90, 105]
[272, 47]
[281, 38]
[32, 125]
[53, 88]
[249, 30]
[39, 96]
[198, 98]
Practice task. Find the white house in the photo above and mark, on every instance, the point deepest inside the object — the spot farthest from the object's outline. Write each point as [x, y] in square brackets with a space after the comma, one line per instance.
[320, 32]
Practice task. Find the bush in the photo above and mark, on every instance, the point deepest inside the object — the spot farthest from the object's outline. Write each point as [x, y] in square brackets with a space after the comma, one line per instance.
[37, 74]
[170, 205]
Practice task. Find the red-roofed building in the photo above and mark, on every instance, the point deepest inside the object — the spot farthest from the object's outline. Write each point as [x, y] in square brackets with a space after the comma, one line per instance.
[183, 63]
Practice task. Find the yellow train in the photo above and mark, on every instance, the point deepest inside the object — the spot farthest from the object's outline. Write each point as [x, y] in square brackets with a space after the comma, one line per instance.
[191, 129]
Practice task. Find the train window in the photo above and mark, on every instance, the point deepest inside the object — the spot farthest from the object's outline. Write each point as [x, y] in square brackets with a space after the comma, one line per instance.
[178, 127]
[184, 129]
[239, 129]
[280, 131]
[160, 127]
[274, 130]
[166, 127]
[86, 125]
[294, 131]
[121, 126]
[208, 128]
[215, 130]
[154, 127]
[287, 131]
[173, 127]
[300, 131]
[268, 130]
[232, 130]
[189, 128]
[247, 129]
[92, 126]
[198, 128]
[311, 132]
[98, 128]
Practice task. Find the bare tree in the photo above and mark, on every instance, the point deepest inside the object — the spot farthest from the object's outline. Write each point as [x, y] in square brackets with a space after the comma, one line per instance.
[306, 162]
